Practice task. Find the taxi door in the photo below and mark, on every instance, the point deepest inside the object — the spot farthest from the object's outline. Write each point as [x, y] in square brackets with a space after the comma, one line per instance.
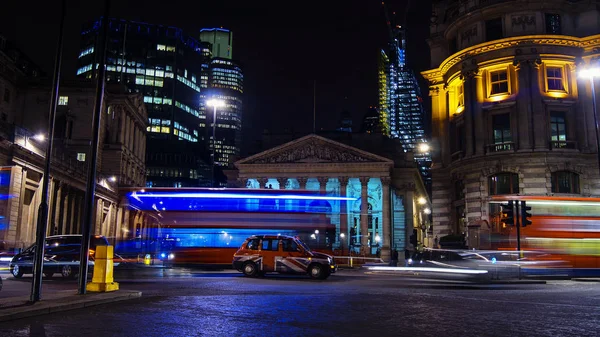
[293, 259]
[269, 249]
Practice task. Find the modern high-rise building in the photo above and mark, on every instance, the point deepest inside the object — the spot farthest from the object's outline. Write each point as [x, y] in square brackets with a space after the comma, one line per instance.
[221, 41]
[226, 83]
[171, 70]
[401, 110]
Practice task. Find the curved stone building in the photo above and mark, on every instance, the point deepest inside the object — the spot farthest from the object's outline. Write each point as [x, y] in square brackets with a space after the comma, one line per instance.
[511, 113]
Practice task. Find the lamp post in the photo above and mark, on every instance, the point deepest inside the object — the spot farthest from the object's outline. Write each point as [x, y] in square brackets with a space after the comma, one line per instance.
[592, 73]
[342, 235]
[215, 103]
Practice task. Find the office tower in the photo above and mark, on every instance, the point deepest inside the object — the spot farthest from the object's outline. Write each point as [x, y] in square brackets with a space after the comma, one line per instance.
[221, 41]
[168, 68]
[226, 83]
[400, 103]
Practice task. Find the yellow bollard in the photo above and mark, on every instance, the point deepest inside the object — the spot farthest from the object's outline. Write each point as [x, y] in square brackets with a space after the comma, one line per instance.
[102, 279]
[147, 260]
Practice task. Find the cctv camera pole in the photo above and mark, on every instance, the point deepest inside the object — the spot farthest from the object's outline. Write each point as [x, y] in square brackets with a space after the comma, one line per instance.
[91, 182]
[42, 223]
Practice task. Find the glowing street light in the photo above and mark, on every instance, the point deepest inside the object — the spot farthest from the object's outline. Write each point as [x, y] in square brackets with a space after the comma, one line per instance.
[40, 137]
[113, 179]
[424, 147]
[422, 201]
[215, 103]
[427, 211]
[592, 73]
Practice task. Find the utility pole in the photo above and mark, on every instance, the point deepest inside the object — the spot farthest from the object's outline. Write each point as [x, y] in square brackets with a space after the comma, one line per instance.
[42, 223]
[91, 182]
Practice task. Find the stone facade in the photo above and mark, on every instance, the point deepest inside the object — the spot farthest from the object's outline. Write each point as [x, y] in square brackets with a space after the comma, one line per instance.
[510, 114]
[120, 161]
[388, 189]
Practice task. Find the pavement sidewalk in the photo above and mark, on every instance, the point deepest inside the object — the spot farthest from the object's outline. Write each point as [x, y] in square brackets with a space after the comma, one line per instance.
[19, 307]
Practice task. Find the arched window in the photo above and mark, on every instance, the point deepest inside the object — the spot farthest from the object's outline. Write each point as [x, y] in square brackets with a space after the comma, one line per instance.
[503, 183]
[565, 182]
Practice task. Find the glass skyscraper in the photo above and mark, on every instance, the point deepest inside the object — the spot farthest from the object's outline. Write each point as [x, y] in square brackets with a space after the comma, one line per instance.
[172, 70]
[226, 82]
[400, 104]
[221, 41]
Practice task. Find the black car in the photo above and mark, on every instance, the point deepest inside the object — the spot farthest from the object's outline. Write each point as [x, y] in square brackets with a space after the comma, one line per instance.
[61, 255]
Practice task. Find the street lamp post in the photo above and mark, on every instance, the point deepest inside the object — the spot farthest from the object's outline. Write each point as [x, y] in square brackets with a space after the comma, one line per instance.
[214, 103]
[592, 73]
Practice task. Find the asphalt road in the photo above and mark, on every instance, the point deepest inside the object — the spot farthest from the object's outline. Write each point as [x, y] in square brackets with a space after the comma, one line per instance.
[186, 302]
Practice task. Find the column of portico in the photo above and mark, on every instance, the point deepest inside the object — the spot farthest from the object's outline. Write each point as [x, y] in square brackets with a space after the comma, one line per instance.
[323, 184]
[302, 182]
[386, 229]
[262, 182]
[364, 215]
[282, 182]
[344, 211]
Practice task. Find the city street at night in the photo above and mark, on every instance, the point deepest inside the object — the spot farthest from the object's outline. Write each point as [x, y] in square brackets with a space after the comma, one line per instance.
[192, 302]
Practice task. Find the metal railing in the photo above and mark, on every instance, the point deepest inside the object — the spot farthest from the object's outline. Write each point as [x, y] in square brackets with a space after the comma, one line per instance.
[500, 147]
[563, 144]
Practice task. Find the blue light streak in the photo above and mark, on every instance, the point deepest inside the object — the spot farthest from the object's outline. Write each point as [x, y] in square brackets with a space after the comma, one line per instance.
[238, 196]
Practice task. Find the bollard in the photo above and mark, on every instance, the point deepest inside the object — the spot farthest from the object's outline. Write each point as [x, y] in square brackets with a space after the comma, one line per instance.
[147, 260]
[102, 279]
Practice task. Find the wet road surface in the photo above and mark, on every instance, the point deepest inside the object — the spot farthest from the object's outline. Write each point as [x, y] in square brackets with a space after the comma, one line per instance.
[183, 302]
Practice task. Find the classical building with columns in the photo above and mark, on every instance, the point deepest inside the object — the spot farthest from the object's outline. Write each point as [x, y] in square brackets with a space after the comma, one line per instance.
[510, 113]
[391, 200]
[120, 162]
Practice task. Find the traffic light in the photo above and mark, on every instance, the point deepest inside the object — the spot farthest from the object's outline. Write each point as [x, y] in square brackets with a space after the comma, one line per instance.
[525, 216]
[508, 216]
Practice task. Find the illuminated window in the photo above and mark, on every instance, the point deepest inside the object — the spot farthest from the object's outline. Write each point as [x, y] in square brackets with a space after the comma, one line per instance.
[503, 183]
[565, 182]
[460, 95]
[63, 100]
[499, 82]
[161, 47]
[81, 156]
[554, 78]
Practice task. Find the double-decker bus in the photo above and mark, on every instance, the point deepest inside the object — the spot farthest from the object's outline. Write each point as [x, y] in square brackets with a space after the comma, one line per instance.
[565, 229]
[205, 226]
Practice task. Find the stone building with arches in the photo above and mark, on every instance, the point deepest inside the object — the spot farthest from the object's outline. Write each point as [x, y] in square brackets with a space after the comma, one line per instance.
[385, 182]
[511, 115]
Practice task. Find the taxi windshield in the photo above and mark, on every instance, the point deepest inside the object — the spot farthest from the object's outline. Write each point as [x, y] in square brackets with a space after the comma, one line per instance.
[304, 245]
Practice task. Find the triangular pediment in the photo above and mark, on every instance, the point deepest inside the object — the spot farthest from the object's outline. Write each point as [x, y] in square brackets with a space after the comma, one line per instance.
[313, 149]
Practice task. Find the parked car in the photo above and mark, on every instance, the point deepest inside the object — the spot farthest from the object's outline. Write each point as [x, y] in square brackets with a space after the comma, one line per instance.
[61, 255]
[281, 254]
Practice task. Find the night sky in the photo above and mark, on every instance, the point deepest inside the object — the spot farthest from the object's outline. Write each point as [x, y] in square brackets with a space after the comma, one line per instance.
[283, 46]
